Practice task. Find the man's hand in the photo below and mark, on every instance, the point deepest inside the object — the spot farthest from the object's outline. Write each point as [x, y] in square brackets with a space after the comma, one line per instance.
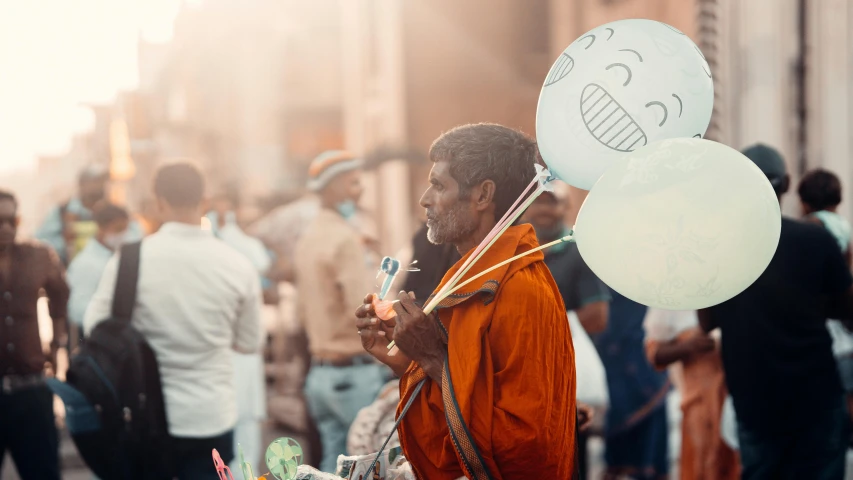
[53, 359]
[376, 335]
[700, 343]
[418, 336]
[585, 415]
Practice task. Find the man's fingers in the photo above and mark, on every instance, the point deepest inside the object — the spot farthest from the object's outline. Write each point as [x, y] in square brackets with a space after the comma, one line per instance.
[371, 322]
[412, 294]
[368, 298]
[365, 310]
[401, 311]
[407, 301]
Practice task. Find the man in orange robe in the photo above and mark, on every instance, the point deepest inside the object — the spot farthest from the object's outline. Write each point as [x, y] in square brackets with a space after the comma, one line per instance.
[498, 398]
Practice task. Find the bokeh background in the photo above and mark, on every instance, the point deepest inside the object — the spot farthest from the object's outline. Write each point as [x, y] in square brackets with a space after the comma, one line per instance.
[253, 89]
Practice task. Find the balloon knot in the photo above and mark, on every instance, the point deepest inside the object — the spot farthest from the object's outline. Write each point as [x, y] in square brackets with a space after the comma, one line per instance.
[544, 177]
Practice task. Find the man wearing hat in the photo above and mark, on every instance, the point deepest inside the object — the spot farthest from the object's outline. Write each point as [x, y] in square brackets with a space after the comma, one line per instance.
[68, 227]
[777, 352]
[332, 274]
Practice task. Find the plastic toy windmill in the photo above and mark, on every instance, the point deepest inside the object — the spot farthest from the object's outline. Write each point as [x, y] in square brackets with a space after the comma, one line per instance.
[283, 456]
[221, 469]
[390, 267]
[248, 474]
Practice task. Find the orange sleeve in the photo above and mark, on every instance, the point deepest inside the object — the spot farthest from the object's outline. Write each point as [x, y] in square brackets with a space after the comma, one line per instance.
[534, 385]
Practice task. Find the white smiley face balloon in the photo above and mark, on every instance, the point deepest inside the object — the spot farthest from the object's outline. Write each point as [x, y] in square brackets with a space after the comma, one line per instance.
[619, 87]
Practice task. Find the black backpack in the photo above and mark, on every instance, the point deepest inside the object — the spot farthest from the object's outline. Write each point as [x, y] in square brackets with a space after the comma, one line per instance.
[113, 397]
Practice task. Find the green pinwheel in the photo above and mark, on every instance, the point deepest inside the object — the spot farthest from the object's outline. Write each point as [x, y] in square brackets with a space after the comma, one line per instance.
[283, 457]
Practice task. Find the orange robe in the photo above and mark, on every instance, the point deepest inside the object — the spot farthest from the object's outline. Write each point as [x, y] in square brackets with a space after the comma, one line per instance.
[512, 365]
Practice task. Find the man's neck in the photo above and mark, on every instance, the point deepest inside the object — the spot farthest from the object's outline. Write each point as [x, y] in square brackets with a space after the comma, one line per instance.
[185, 217]
[466, 245]
[6, 251]
[330, 206]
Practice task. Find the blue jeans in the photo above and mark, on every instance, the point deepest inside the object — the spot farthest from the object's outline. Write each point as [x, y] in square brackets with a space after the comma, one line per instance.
[335, 395]
[814, 448]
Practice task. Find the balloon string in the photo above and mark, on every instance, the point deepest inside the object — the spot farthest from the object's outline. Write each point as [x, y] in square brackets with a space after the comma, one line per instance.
[492, 234]
[567, 238]
[492, 238]
[435, 301]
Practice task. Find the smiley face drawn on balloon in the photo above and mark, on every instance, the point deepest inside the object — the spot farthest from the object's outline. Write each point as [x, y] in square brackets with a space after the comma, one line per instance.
[616, 88]
[604, 117]
[562, 67]
[705, 67]
[608, 121]
[615, 129]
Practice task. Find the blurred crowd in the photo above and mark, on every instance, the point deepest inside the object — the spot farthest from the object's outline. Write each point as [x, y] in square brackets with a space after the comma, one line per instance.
[211, 292]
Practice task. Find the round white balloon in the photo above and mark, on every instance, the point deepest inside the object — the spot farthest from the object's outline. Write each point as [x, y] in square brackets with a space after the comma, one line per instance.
[680, 224]
[617, 88]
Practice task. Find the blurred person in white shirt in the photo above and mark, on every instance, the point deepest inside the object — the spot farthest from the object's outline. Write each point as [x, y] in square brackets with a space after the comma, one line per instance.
[198, 299]
[85, 270]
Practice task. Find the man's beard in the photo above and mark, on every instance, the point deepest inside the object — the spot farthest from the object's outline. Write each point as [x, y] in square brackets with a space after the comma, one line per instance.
[451, 227]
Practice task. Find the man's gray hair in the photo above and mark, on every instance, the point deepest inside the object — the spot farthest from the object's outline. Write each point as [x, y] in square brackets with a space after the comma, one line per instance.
[487, 151]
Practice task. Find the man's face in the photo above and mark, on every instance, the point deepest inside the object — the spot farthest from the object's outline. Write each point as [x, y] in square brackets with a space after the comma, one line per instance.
[8, 223]
[545, 214]
[346, 186]
[116, 227]
[450, 218]
[92, 191]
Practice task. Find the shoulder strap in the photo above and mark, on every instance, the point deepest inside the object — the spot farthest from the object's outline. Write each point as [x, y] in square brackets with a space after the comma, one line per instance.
[124, 297]
[466, 448]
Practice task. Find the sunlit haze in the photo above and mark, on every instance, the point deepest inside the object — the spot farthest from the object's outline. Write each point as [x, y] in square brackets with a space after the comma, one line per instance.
[58, 56]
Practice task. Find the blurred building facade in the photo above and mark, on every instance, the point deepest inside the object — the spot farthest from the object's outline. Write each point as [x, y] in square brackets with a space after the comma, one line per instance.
[253, 90]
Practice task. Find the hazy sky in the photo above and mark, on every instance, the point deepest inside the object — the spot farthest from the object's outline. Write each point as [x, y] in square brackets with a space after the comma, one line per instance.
[56, 56]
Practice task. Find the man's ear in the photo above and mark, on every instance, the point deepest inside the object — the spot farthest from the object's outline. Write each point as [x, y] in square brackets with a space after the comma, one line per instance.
[483, 195]
[162, 205]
